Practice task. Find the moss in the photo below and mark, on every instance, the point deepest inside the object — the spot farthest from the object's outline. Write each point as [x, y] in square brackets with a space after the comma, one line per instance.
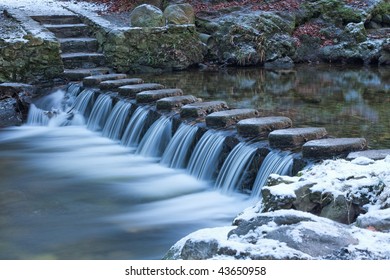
[382, 9]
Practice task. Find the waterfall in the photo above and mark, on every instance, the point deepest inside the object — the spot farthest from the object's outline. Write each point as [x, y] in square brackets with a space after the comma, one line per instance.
[132, 135]
[204, 159]
[116, 121]
[100, 112]
[276, 162]
[234, 168]
[156, 138]
[37, 117]
[177, 153]
[83, 101]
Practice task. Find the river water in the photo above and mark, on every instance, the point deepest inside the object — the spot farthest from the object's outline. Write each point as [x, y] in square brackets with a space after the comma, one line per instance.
[67, 192]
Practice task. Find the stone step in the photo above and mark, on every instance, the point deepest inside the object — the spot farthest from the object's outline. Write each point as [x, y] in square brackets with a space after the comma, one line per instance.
[58, 19]
[330, 148]
[202, 109]
[69, 30]
[371, 154]
[96, 80]
[175, 102]
[132, 90]
[80, 74]
[114, 84]
[230, 117]
[294, 137]
[154, 95]
[86, 44]
[82, 60]
[261, 127]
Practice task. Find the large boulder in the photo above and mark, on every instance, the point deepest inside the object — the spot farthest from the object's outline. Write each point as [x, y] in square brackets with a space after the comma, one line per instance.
[147, 16]
[179, 14]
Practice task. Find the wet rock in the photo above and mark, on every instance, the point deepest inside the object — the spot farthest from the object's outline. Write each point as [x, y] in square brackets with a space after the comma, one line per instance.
[202, 109]
[96, 80]
[146, 16]
[229, 117]
[175, 102]
[261, 127]
[329, 148]
[132, 90]
[280, 63]
[294, 137]
[356, 31]
[113, 84]
[153, 95]
[371, 154]
[179, 14]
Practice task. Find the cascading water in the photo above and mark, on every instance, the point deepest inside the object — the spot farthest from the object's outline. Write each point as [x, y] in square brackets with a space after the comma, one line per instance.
[156, 138]
[83, 102]
[37, 117]
[177, 153]
[276, 162]
[234, 168]
[100, 112]
[132, 135]
[116, 121]
[204, 159]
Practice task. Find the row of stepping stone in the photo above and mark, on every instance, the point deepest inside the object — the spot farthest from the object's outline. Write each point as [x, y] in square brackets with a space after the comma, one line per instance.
[313, 141]
[80, 54]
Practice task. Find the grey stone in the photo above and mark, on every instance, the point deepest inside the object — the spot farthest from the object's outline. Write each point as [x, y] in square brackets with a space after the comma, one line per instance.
[12, 89]
[169, 103]
[154, 95]
[202, 109]
[78, 44]
[146, 16]
[261, 127]
[329, 148]
[294, 137]
[113, 84]
[82, 60]
[179, 14]
[229, 117]
[79, 74]
[356, 31]
[339, 210]
[96, 80]
[372, 154]
[69, 30]
[199, 250]
[132, 90]
[378, 220]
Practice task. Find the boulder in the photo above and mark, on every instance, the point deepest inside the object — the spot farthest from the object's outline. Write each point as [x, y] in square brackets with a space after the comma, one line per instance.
[179, 14]
[376, 220]
[147, 16]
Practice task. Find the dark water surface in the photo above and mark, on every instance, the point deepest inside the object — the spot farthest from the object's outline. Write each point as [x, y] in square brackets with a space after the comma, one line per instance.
[347, 101]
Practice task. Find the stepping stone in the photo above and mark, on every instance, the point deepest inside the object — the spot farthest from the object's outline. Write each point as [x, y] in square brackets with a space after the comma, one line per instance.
[78, 45]
[170, 103]
[226, 118]
[79, 74]
[95, 80]
[57, 19]
[294, 137]
[371, 154]
[154, 95]
[82, 60]
[329, 148]
[261, 127]
[202, 109]
[113, 84]
[68, 30]
[132, 90]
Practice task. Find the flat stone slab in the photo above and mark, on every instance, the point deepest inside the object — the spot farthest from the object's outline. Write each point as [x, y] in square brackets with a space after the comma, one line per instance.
[81, 73]
[261, 127]
[132, 90]
[294, 137]
[113, 84]
[10, 89]
[174, 102]
[230, 117]
[371, 154]
[329, 148]
[96, 80]
[154, 95]
[202, 109]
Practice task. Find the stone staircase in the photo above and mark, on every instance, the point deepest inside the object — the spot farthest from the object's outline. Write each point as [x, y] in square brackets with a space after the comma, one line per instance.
[80, 51]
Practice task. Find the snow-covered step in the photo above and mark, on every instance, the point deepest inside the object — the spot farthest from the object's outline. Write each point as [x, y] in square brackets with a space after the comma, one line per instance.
[261, 127]
[69, 30]
[332, 147]
[371, 154]
[58, 19]
[96, 80]
[82, 60]
[229, 117]
[202, 109]
[154, 95]
[114, 84]
[132, 90]
[294, 137]
[81, 73]
[83, 44]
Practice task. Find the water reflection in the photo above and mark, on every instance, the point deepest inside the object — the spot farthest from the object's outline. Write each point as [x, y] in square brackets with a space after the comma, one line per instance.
[349, 102]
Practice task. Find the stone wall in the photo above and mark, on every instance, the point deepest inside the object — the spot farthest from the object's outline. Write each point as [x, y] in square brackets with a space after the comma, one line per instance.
[33, 56]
